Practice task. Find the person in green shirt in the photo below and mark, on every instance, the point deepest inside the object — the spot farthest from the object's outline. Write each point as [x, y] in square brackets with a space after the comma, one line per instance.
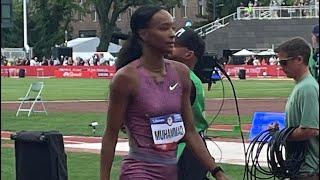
[188, 48]
[314, 57]
[302, 107]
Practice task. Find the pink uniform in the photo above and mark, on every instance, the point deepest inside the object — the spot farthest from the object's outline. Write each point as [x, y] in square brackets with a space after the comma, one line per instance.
[154, 99]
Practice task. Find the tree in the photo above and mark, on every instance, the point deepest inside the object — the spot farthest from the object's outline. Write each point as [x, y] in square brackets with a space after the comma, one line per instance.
[47, 21]
[220, 8]
[13, 37]
[50, 19]
[109, 10]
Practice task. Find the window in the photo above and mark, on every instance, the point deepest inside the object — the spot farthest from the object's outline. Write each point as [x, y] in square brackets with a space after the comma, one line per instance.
[184, 8]
[87, 33]
[173, 12]
[93, 13]
[201, 7]
[80, 14]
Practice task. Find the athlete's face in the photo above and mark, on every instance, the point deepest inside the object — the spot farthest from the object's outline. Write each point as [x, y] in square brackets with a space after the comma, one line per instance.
[160, 32]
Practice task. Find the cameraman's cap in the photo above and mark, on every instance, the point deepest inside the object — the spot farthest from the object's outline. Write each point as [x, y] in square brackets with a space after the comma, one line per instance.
[186, 37]
[315, 30]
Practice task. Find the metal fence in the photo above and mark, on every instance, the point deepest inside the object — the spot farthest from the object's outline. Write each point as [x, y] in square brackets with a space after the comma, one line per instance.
[277, 12]
[15, 53]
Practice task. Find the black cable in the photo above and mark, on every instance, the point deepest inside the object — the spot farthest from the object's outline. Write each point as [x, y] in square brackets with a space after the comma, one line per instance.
[237, 109]
[221, 105]
[278, 166]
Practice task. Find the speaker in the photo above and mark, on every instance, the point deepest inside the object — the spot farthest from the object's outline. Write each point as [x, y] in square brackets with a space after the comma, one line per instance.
[242, 74]
[205, 66]
[40, 155]
[22, 73]
[57, 52]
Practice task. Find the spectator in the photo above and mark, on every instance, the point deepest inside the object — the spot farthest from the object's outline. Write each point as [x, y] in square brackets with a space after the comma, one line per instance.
[302, 108]
[56, 62]
[256, 62]
[44, 62]
[272, 61]
[189, 48]
[103, 60]
[69, 61]
[33, 61]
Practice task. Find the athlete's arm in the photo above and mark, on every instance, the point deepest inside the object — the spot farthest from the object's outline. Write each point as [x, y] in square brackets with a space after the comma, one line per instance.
[120, 91]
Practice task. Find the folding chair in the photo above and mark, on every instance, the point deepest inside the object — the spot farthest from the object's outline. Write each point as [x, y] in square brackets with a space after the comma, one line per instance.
[33, 96]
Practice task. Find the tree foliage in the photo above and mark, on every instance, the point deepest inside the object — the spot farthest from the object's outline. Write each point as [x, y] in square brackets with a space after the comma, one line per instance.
[47, 21]
[109, 10]
[52, 19]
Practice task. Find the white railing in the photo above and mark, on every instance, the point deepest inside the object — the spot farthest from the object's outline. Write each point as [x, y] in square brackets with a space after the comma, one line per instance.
[278, 12]
[208, 28]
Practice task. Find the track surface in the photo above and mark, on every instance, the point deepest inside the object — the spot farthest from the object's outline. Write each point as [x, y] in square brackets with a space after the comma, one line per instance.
[246, 106]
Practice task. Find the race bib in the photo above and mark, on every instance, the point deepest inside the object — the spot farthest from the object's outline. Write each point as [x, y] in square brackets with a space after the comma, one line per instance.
[167, 129]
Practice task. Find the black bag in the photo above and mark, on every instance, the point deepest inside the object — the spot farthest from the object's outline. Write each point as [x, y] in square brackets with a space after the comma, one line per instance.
[40, 156]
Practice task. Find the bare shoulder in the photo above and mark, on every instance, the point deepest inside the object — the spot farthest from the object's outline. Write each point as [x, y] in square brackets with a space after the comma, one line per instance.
[125, 79]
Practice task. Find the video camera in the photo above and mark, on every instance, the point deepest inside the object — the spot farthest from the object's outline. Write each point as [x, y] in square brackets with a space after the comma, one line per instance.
[207, 69]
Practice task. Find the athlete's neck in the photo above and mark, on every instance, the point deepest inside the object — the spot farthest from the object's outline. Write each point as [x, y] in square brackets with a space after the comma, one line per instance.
[153, 64]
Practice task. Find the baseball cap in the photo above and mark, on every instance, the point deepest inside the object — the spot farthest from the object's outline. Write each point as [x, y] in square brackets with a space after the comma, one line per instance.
[186, 37]
[315, 30]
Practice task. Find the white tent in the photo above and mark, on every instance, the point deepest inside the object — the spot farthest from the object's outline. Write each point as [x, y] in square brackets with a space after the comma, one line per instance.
[84, 44]
[114, 48]
[90, 44]
[268, 52]
[88, 55]
[244, 52]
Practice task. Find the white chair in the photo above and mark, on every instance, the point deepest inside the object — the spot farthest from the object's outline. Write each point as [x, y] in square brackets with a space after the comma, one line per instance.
[33, 96]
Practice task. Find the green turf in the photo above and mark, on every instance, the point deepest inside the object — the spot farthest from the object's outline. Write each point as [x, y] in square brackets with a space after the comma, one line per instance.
[97, 89]
[69, 123]
[85, 166]
[56, 89]
[229, 119]
[227, 134]
[251, 89]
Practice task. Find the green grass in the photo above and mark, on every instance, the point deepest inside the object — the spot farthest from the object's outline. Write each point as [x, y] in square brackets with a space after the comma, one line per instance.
[229, 119]
[251, 89]
[69, 123]
[85, 166]
[227, 134]
[97, 89]
[56, 89]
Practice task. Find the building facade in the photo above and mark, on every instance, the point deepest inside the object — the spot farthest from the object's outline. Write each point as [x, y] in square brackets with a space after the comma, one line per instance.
[87, 25]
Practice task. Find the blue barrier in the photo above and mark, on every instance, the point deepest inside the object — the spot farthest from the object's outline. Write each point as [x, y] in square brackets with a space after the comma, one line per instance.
[261, 121]
[216, 74]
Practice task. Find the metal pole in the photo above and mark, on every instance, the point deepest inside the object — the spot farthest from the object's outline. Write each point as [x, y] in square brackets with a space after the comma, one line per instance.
[65, 37]
[25, 38]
